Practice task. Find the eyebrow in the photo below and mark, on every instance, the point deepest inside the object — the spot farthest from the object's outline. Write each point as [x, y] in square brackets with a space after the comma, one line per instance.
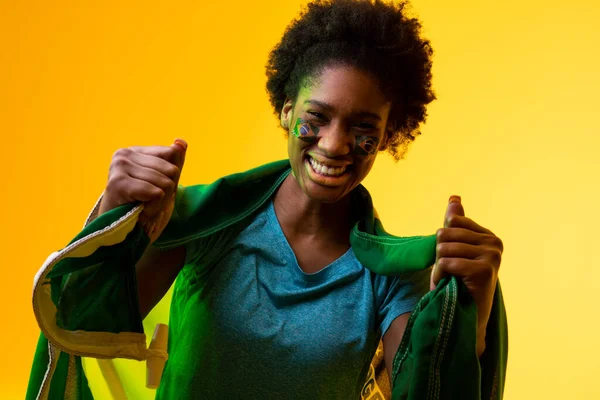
[328, 107]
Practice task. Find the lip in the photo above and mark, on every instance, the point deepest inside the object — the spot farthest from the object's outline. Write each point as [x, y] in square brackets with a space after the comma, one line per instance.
[330, 163]
[323, 180]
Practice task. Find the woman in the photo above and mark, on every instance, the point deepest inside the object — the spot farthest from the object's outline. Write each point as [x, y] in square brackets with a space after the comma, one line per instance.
[285, 309]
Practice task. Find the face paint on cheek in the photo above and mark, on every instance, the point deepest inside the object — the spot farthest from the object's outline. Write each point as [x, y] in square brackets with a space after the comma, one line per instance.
[305, 131]
[366, 145]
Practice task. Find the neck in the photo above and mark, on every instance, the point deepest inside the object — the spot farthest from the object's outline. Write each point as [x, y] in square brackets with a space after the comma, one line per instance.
[302, 216]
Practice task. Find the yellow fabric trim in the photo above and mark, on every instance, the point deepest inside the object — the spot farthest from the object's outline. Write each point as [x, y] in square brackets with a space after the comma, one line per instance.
[82, 343]
[53, 354]
[111, 376]
[94, 213]
[71, 384]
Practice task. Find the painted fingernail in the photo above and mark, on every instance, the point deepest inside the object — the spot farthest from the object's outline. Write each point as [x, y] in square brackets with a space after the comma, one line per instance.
[454, 199]
[182, 143]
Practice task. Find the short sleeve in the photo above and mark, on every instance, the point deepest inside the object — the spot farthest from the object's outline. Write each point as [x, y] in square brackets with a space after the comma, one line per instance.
[195, 250]
[397, 295]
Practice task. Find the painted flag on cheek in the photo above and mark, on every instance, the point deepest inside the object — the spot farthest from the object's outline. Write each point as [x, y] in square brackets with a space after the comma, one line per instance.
[366, 145]
[305, 131]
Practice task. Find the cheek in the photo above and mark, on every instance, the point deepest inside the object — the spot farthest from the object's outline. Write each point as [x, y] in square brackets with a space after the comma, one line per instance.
[296, 151]
[364, 165]
[292, 153]
[305, 131]
[366, 145]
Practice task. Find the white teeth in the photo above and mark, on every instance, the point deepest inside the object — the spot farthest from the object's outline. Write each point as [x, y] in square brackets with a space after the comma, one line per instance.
[323, 169]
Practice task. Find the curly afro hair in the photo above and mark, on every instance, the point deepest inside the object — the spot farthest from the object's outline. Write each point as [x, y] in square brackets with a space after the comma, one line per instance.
[374, 36]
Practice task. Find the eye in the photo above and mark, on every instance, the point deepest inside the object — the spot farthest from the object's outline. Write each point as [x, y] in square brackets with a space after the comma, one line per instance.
[317, 115]
[365, 126]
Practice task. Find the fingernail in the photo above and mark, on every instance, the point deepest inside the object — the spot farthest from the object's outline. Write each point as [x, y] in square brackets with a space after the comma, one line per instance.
[182, 143]
[454, 199]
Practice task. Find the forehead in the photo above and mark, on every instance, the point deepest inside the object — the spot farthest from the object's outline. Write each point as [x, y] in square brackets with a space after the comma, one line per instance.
[346, 89]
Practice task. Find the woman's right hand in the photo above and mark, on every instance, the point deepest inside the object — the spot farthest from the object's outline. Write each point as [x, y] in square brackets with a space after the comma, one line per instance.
[147, 175]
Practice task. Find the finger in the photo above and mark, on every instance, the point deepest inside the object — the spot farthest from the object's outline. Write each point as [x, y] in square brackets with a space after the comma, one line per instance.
[454, 208]
[465, 236]
[432, 285]
[460, 267]
[167, 153]
[138, 190]
[166, 168]
[155, 178]
[176, 157]
[436, 275]
[452, 250]
[458, 250]
[457, 221]
[132, 190]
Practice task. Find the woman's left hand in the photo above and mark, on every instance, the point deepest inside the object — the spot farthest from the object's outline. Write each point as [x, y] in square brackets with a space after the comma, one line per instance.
[473, 253]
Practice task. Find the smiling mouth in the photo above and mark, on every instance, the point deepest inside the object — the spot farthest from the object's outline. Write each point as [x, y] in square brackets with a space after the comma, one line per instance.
[326, 170]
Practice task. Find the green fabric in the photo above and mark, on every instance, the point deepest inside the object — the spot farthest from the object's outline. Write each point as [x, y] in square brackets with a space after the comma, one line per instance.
[87, 290]
[38, 370]
[59, 384]
[202, 210]
[76, 285]
[437, 356]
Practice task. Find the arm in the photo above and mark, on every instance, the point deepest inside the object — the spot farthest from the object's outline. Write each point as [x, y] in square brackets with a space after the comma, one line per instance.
[156, 271]
[149, 175]
[392, 339]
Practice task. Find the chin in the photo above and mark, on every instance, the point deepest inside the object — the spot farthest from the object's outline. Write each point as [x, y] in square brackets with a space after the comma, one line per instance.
[321, 197]
[321, 193]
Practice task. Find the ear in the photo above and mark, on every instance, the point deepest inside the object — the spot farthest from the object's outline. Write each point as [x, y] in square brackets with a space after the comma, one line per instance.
[286, 113]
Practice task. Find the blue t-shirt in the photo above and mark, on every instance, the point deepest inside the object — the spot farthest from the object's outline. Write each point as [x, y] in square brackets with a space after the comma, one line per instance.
[271, 331]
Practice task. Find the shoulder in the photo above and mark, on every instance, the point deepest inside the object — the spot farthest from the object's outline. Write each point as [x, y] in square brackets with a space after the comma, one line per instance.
[414, 278]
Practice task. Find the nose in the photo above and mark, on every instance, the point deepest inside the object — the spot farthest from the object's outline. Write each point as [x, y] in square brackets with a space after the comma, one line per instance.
[334, 141]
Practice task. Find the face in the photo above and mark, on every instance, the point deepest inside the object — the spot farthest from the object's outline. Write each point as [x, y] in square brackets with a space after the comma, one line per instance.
[336, 127]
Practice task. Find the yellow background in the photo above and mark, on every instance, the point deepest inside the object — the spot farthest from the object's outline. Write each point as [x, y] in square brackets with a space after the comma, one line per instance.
[514, 132]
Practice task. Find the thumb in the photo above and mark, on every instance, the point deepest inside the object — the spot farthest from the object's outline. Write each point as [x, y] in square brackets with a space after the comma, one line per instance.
[180, 146]
[454, 208]
[166, 205]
